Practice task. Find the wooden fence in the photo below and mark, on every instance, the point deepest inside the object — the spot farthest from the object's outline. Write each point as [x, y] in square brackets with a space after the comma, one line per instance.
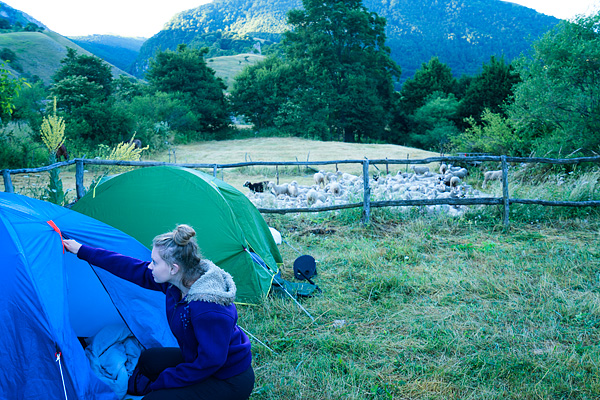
[505, 201]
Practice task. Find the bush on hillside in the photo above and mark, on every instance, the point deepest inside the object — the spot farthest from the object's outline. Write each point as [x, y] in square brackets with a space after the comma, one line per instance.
[18, 147]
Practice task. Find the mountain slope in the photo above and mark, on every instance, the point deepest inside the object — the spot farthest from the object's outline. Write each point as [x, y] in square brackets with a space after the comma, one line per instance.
[462, 33]
[116, 50]
[34, 54]
[38, 54]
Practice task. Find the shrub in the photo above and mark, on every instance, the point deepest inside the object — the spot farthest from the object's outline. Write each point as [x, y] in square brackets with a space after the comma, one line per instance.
[18, 148]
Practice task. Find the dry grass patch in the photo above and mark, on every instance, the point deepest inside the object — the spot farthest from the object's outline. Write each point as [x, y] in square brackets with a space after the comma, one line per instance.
[266, 149]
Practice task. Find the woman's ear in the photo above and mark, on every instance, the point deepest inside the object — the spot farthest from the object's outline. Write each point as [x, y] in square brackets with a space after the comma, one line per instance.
[174, 269]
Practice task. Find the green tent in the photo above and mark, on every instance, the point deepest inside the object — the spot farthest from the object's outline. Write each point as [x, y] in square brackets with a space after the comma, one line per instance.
[149, 201]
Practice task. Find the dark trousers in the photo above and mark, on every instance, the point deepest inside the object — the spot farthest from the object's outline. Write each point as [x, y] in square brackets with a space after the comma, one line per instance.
[153, 361]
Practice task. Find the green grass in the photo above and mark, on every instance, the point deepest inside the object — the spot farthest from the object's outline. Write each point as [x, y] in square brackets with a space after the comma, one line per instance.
[40, 53]
[433, 308]
[419, 306]
[227, 67]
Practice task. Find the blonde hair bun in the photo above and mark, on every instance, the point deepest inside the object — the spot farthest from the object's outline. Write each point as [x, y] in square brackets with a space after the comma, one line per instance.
[183, 234]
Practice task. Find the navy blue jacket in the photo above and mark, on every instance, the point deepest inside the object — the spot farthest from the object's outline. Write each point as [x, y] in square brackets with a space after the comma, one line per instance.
[207, 333]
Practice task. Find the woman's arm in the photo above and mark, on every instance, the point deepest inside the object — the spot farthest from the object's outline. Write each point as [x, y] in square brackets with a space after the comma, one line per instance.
[125, 267]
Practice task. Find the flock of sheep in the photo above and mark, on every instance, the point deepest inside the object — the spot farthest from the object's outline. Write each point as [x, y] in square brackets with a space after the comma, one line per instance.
[338, 188]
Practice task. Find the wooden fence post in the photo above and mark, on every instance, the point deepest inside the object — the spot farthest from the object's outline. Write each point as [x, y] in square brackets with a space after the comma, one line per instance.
[8, 186]
[366, 194]
[505, 197]
[79, 171]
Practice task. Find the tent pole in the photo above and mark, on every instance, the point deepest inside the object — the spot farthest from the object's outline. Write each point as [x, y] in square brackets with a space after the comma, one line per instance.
[298, 303]
[291, 247]
[255, 338]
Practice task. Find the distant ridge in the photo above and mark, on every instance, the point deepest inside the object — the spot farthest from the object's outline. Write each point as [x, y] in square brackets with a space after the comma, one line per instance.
[462, 33]
[117, 50]
[13, 16]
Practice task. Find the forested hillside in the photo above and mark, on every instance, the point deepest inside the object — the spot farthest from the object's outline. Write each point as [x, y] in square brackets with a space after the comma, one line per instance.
[116, 50]
[463, 34]
[10, 16]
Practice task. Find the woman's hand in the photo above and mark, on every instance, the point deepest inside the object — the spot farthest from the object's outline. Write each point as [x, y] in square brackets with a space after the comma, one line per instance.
[72, 245]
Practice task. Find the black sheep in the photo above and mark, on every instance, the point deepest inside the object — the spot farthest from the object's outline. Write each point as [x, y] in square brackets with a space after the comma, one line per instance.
[259, 187]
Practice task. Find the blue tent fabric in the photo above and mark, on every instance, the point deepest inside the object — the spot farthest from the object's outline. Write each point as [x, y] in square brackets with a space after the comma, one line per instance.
[49, 298]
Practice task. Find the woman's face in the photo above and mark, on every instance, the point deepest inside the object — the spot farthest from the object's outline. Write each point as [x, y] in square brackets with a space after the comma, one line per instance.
[161, 271]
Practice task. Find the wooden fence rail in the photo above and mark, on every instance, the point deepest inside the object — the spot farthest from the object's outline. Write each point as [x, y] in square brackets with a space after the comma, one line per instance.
[366, 204]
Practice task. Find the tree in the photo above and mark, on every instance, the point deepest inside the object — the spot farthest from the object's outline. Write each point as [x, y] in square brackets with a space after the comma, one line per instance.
[29, 105]
[83, 87]
[260, 90]
[185, 75]
[127, 88]
[7, 55]
[76, 91]
[434, 123]
[9, 89]
[432, 77]
[31, 27]
[494, 134]
[489, 90]
[558, 102]
[91, 68]
[347, 67]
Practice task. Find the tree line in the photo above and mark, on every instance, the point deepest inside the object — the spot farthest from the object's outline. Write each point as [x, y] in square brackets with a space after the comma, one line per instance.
[332, 78]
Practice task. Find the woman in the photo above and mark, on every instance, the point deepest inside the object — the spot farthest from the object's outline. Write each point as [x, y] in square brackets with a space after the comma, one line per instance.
[213, 360]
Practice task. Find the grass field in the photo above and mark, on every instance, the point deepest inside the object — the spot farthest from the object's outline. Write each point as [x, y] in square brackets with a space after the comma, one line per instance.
[40, 53]
[418, 306]
[236, 151]
[227, 67]
[433, 308]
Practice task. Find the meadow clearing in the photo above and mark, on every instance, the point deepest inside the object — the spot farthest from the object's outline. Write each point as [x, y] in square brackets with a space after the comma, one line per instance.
[424, 306]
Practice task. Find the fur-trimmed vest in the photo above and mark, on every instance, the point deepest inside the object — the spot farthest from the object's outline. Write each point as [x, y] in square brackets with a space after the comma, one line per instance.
[215, 286]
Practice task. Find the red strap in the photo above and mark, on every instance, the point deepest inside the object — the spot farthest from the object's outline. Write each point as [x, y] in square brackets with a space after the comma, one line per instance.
[53, 225]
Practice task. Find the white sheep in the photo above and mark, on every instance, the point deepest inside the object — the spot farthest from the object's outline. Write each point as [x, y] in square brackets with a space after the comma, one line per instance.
[454, 181]
[335, 188]
[461, 173]
[293, 189]
[330, 177]
[311, 197]
[278, 189]
[491, 176]
[420, 170]
[443, 168]
[319, 179]
[349, 177]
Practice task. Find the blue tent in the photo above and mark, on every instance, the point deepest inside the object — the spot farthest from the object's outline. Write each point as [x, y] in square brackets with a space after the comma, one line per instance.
[50, 298]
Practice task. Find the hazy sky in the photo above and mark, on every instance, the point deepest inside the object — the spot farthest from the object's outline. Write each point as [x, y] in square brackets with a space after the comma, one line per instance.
[146, 17]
